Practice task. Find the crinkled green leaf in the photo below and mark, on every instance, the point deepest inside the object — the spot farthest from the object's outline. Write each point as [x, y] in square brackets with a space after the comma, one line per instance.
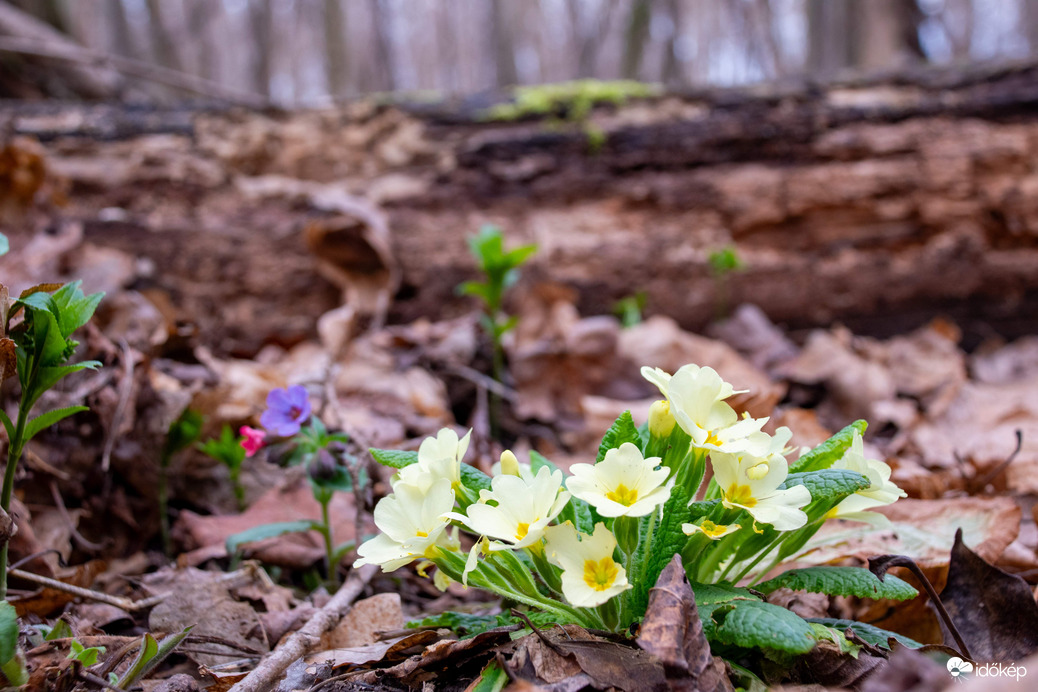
[714, 594]
[622, 430]
[829, 452]
[828, 486]
[394, 458]
[869, 634]
[841, 581]
[264, 531]
[473, 478]
[667, 540]
[45, 420]
[759, 625]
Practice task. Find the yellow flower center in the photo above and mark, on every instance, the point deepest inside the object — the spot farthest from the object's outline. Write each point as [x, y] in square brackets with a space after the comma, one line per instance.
[755, 473]
[713, 439]
[421, 534]
[600, 575]
[740, 495]
[623, 495]
[713, 530]
[521, 531]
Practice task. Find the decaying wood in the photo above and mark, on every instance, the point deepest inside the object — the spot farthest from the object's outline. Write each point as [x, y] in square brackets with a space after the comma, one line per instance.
[876, 198]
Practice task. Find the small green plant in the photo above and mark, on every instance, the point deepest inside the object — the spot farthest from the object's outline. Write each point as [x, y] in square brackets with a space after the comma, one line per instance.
[500, 270]
[230, 450]
[38, 350]
[12, 658]
[329, 469]
[150, 654]
[723, 262]
[629, 309]
[587, 548]
[182, 434]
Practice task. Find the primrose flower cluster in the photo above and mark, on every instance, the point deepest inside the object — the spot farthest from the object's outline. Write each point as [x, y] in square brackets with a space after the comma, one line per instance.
[586, 548]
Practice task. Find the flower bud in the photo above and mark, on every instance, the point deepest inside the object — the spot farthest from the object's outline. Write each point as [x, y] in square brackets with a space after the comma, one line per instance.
[509, 463]
[324, 467]
[661, 420]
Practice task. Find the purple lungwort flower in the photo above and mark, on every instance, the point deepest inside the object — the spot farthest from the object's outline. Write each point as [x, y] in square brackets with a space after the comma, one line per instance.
[287, 410]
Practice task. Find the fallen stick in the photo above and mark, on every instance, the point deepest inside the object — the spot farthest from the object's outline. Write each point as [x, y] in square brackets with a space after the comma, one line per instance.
[300, 643]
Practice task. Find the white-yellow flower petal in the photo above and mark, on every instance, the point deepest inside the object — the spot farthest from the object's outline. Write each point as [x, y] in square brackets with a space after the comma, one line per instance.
[624, 483]
[590, 575]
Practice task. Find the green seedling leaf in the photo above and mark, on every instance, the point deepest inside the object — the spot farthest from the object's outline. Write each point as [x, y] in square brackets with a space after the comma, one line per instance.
[151, 655]
[48, 376]
[45, 420]
[184, 431]
[869, 634]
[492, 678]
[340, 551]
[264, 531]
[758, 625]
[822, 633]
[841, 581]
[226, 449]
[829, 452]
[394, 458]
[8, 632]
[60, 630]
[622, 430]
[74, 308]
[86, 656]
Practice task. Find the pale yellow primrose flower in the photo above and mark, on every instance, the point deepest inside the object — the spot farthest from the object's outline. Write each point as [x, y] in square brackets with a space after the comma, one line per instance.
[412, 521]
[438, 457]
[696, 396]
[752, 483]
[590, 575]
[881, 491]
[710, 529]
[623, 484]
[525, 507]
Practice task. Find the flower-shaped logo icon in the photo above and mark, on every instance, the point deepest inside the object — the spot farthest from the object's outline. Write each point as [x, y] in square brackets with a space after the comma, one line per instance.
[957, 667]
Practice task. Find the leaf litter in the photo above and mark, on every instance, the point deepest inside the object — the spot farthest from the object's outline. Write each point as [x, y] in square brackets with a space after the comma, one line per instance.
[947, 419]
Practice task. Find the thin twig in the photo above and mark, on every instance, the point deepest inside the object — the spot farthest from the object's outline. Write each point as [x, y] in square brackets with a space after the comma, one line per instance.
[134, 68]
[993, 474]
[300, 643]
[69, 523]
[125, 389]
[90, 677]
[117, 601]
[479, 379]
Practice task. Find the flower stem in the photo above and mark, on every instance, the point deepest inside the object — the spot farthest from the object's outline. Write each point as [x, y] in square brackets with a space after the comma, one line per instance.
[326, 532]
[14, 453]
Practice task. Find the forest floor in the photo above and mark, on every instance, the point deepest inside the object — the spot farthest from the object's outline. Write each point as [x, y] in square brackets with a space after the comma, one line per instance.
[216, 293]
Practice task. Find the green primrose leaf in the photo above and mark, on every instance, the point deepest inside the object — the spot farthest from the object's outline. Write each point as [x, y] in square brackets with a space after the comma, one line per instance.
[460, 623]
[45, 420]
[473, 478]
[668, 540]
[622, 430]
[829, 486]
[715, 594]
[394, 458]
[823, 633]
[829, 452]
[870, 634]
[759, 625]
[8, 632]
[841, 581]
[263, 531]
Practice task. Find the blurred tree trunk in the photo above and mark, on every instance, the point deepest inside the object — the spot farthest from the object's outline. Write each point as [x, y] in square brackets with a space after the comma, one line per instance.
[635, 34]
[504, 44]
[122, 37]
[336, 56]
[260, 19]
[201, 15]
[873, 35]
[385, 74]
[163, 35]
[673, 70]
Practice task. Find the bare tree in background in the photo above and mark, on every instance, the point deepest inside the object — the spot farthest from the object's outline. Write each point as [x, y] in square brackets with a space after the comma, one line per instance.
[635, 35]
[336, 55]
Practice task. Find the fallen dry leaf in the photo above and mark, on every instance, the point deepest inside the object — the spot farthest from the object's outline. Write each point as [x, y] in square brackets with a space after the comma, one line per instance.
[368, 617]
[673, 633]
[993, 610]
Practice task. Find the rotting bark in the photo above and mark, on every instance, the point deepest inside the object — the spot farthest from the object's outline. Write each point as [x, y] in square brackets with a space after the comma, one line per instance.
[876, 198]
